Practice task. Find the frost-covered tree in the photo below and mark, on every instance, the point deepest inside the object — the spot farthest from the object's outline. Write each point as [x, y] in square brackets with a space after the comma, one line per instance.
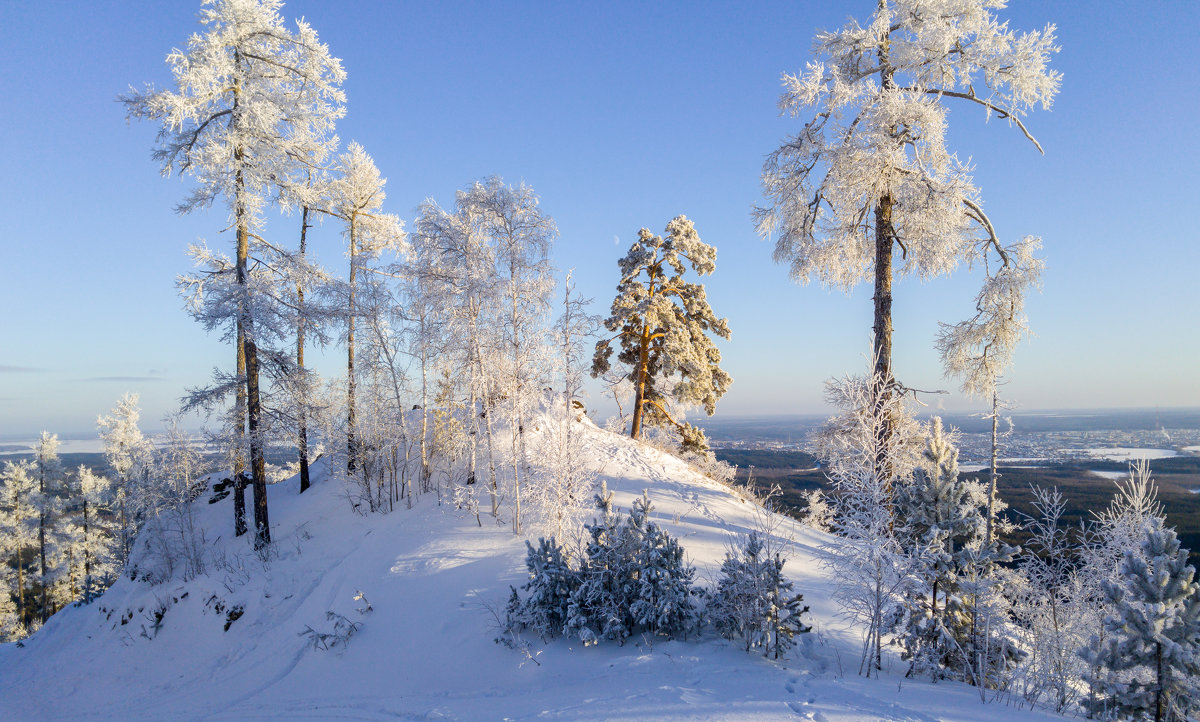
[252, 110]
[870, 171]
[94, 546]
[980, 349]
[662, 323]
[1050, 603]
[129, 455]
[867, 559]
[356, 197]
[49, 472]
[464, 283]
[424, 298]
[955, 622]
[1154, 634]
[310, 320]
[520, 235]
[176, 540]
[563, 471]
[19, 523]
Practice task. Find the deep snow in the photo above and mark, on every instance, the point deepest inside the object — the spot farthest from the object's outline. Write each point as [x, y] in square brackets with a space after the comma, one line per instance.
[426, 649]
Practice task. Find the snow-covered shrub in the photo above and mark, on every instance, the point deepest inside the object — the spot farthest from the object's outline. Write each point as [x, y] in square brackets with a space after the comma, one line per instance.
[339, 636]
[754, 602]
[632, 577]
[818, 512]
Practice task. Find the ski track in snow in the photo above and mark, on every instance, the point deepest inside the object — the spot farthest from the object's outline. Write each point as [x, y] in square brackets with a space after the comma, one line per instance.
[425, 652]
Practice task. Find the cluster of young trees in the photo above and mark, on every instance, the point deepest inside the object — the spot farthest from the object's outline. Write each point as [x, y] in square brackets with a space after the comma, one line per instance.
[631, 576]
[65, 534]
[1105, 617]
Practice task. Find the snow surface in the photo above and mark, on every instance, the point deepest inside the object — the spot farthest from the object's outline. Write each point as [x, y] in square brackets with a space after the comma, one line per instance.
[1125, 454]
[65, 446]
[426, 650]
[1114, 475]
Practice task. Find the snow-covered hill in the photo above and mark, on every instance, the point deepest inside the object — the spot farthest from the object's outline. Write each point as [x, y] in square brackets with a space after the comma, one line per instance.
[425, 650]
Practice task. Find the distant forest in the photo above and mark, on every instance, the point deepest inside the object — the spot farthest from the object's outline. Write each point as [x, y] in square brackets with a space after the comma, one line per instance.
[797, 471]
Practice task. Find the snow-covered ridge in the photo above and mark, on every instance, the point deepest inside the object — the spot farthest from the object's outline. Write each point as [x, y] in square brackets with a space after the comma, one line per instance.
[231, 644]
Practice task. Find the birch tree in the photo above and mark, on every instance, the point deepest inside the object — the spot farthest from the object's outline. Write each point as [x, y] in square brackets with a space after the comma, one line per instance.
[870, 171]
[663, 323]
[868, 559]
[466, 283]
[520, 236]
[980, 349]
[49, 475]
[253, 105]
[356, 198]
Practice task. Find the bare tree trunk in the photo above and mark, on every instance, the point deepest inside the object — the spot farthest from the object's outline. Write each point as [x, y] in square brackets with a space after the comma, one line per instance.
[643, 367]
[45, 610]
[493, 486]
[20, 586]
[885, 236]
[87, 558]
[302, 431]
[424, 412]
[239, 461]
[991, 515]
[516, 466]
[640, 384]
[351, 451]
[472, 411]
[262, 526]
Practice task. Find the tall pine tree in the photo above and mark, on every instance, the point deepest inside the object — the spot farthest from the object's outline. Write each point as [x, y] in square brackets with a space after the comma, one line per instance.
[662, 323]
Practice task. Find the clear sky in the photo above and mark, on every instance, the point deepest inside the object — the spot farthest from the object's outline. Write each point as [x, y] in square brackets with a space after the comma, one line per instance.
[620, 115]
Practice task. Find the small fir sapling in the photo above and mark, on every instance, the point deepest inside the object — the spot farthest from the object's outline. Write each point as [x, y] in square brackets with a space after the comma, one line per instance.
[1153, 635]
[551, 584]
[663, 603]
[754, 602]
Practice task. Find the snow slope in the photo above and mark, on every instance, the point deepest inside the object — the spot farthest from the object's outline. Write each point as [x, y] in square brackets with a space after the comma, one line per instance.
[426, 650]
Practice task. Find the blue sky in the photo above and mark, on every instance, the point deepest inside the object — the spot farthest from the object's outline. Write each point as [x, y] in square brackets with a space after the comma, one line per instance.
[620, 115]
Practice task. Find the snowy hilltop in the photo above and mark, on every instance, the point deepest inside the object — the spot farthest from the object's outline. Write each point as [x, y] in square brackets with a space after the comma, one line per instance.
[381, 616]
